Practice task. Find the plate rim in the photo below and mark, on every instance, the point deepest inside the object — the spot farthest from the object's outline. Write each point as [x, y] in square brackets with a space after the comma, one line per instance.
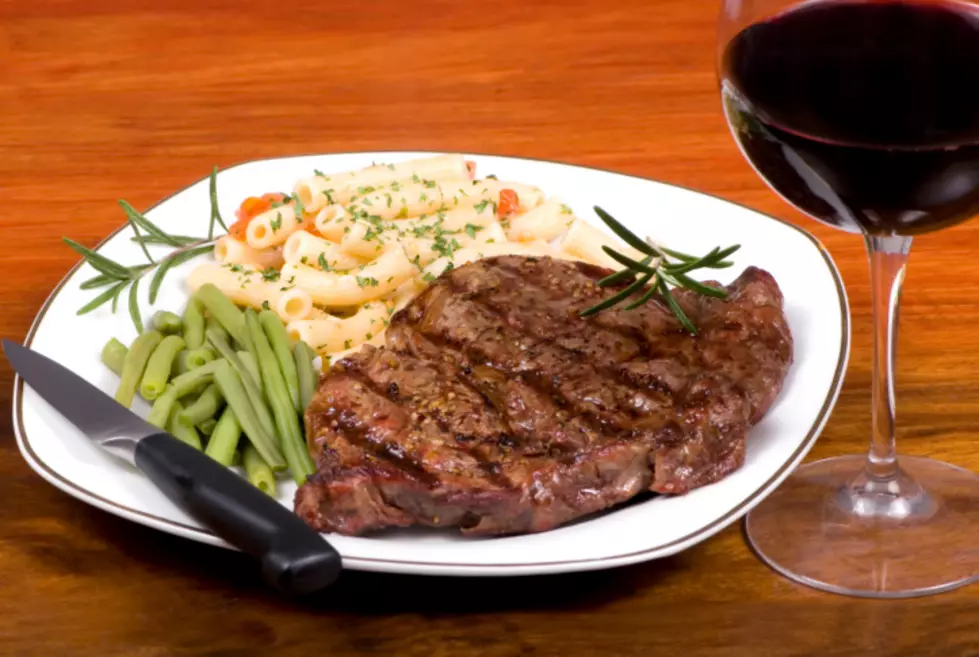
[204, 535]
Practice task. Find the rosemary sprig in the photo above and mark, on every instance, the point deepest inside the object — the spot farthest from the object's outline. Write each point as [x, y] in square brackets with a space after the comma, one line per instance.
[660, 269]
[115, 277]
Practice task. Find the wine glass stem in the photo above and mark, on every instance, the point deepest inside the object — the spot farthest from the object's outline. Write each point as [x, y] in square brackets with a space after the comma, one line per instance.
[888, 260]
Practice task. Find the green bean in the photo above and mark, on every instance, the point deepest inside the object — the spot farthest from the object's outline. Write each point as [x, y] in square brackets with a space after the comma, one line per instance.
[204, 407]
[159, 366]
[223, 443]
[253, 388]
[212, 324]
[248, 360]
[193, 321]
[135, 364]
[275, 331]
[233, 389]
[166, 322]
[114, 355]
[207, 426]
[286, 421]
[179, 430]
[177, 388]
[307, 373]
[179, 364]
[257, 470]
[162, 407]
[191, 359]
[222, 309]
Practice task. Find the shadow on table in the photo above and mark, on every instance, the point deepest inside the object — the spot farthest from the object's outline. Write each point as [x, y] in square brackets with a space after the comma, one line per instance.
[160, 555]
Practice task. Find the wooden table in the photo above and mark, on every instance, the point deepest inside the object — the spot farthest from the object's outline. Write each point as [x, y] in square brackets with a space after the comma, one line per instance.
[135, 98]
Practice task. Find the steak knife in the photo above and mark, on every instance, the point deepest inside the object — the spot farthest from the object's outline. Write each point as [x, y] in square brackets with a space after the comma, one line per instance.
[294, 558]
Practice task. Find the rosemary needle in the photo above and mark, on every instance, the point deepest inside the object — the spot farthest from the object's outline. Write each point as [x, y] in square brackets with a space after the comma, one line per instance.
[660, 268]
[115, 277]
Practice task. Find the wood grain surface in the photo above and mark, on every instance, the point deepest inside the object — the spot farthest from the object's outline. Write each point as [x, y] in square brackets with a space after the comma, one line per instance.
[104, 99]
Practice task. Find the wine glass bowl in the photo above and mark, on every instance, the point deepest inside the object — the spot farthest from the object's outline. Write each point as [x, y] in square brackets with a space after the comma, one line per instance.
[864, 115]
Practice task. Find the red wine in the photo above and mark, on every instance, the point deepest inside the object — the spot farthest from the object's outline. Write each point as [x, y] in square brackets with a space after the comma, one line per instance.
[863, 115]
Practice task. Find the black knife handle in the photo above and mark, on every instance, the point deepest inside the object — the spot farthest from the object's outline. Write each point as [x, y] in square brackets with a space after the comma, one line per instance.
[295, 558]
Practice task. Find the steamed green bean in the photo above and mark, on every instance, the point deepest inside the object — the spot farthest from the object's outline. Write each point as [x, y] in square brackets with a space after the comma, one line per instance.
[162, 407]
[252, 387]
[223, 443]
[275, 331]
[135, 364]
[193, 321]
[250, 364]
[180, 431]
[257, 470]
[159, 366]
[205, 406]
[177, 388]
[308, 378]
[191, 359]
[224, 311]
[212, 324]
[286, 420]
[207, 426]
[114, 355]
[166, 322]
[233, 389]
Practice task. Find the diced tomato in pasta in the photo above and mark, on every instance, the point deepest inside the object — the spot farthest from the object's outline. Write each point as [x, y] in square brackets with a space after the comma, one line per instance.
[250, 208]
[509, 203]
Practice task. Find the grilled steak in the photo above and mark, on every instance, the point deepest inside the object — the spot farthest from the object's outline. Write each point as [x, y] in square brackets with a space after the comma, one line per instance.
[495, 408]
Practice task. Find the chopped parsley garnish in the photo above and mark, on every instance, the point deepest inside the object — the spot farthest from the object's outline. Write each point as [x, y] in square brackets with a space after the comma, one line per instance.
[319, 173]
[300, 210]
[277, 222]
[491, 241]
[472, 229]
[445, 247]
[365, 190]
[423, 197]
[324, 265]
[369, 335]
[416, 261]
[429, 183]
[390, 166]
[427, 277]
[402, 213]
[347, 344]
[565, 209]
[328, 193]
[366, 281]
[265, 305]
[304, 260]
[482, 205]
[367, 201]
[415, 178]
[395, 186]
[236, 268]
[271, 274]
[492, 176]
[388, 198]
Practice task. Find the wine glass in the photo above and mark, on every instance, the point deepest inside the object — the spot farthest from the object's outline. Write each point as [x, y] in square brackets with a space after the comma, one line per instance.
[864, 114]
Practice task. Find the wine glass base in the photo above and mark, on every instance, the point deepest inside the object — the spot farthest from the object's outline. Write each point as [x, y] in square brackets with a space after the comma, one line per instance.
[830, 528]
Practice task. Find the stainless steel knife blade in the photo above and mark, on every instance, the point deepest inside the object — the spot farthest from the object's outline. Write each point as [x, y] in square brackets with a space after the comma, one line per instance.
[96, 414]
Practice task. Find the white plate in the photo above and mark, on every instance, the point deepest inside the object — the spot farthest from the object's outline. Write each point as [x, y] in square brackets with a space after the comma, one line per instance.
[686, 220]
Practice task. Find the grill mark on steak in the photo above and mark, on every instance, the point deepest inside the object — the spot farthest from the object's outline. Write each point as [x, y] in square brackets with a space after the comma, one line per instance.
[558, 417]
[593, 390]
